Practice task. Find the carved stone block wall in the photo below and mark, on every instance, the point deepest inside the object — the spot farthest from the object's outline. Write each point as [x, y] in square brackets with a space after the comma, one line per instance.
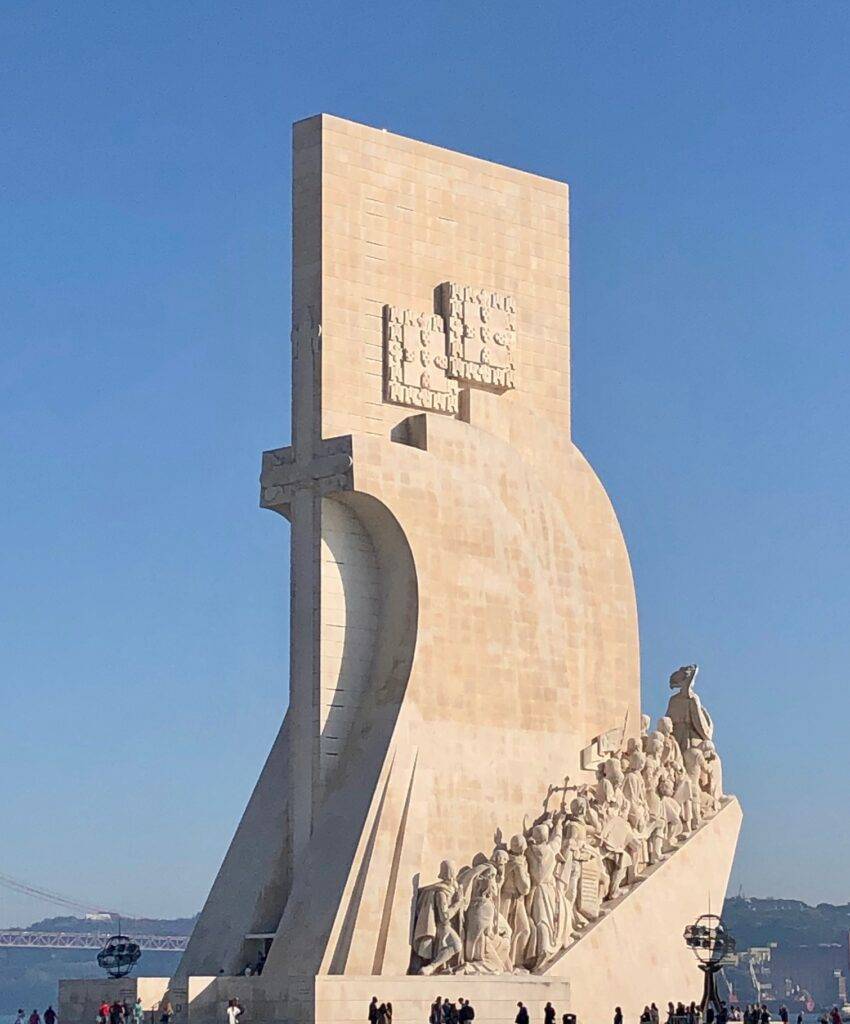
[481, 328]
[415, 361]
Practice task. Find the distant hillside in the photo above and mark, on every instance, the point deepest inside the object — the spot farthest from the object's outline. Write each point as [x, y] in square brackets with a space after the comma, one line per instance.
[758, 922]
[129, 925]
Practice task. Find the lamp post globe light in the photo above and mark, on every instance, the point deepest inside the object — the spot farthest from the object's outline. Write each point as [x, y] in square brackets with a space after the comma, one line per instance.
[712, 945]
[119, 956]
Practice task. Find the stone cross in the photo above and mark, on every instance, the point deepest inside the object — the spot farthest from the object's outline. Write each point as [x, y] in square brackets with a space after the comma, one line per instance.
[293, 482]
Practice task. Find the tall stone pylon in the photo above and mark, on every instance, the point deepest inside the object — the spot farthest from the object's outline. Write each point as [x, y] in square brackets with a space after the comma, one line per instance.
[462, 606]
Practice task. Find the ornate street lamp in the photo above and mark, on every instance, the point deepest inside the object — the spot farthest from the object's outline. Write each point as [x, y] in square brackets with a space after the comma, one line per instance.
[119, 956]
[712, 944]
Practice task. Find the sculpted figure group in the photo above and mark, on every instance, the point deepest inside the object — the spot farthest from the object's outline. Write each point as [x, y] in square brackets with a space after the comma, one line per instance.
[515, 910]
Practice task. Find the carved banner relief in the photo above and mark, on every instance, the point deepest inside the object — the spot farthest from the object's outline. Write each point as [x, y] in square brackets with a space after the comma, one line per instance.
[471, 342]
[415, 361]
[481, 334]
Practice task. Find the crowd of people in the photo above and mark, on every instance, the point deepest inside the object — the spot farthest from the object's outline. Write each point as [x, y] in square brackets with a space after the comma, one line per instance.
[120, 1012]
[690, 1013]
[36, 1018]
[380, 1013]
[445, 1011]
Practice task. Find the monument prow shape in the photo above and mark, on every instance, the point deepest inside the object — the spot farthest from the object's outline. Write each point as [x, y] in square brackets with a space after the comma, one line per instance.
[463, 611]
[463, 614]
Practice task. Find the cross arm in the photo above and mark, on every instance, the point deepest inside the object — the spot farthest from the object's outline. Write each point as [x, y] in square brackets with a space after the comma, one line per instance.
[327, 470]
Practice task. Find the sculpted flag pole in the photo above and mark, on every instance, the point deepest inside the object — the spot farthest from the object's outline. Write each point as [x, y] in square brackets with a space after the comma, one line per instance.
[463, 630]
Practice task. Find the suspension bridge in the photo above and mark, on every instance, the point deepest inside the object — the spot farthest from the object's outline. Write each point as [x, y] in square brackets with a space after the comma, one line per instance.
[94, 938]
[23, 939]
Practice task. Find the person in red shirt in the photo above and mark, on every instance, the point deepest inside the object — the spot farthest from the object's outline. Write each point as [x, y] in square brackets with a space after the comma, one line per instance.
[104, 1011]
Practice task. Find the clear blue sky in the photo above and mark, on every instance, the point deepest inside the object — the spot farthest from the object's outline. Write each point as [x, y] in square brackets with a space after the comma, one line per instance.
[144, 359]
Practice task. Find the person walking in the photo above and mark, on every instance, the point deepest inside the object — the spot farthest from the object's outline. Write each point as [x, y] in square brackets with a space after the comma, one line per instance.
[834, 1016]
[137, 1014]
[618, 1015]
[372, 1013]
[671, 1013]
[382, 1014]
[436, 1015]
[548, 1014]
[20, 1018]
[783, 1013]
[104, 1012]
[234, 1011]
[764, 1016]
[35, 1017]
[50, 1015]
[645, 1016]
[800, 1017]
[522, 1015]
[654, 1015]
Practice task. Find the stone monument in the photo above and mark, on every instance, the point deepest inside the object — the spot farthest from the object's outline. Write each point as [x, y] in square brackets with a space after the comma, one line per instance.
[463, 782]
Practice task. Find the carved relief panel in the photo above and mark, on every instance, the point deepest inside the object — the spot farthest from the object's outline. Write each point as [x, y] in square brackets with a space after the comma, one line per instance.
[415, 361]
[481, 328]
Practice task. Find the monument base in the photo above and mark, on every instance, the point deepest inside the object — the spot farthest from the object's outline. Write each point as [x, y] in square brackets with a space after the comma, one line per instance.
[80, 999]
[632, 956]
[327, 999]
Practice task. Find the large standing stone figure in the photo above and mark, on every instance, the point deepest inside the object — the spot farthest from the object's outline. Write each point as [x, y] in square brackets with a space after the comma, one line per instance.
[691, 722]
[436, 938]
